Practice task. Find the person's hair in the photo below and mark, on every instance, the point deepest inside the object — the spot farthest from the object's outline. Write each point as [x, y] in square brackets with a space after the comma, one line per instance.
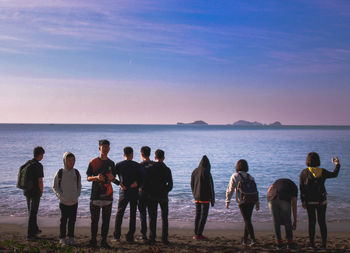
[146, 151]
[128, 151]
[313, 160]
[70, 155]
[242, 165]
[159, 154]
[103, 142]
[38, 151]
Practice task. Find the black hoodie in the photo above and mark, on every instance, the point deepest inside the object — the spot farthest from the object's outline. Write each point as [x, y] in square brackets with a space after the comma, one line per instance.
[202, 184]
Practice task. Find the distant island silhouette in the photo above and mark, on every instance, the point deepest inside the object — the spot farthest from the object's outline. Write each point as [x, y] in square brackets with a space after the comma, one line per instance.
[197, 122]
[255, 123]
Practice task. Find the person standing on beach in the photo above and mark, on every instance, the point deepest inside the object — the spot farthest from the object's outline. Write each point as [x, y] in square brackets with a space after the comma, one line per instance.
[157, 185]
[142, 203]
[313, 194]
[246, 202]
[67, 187]
[202, 186]
[36, 174]
[129, 175]
[101, 173]
[282, 197]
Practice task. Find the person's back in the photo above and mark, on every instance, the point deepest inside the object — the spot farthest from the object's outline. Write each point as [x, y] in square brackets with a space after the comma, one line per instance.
[282, 196]
[203, 192]
[158, 181]
[36, 174]
[128, 172]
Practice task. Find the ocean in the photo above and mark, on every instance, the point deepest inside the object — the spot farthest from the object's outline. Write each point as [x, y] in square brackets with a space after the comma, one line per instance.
[271, 153]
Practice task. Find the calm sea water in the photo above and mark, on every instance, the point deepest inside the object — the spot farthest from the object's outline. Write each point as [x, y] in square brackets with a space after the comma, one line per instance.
[271, 154]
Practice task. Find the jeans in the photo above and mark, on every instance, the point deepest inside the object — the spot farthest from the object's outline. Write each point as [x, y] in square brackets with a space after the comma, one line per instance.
[33, 206]
[95, 216]
[152, 211]
[142, 205]
[68, 213]
[321, 218]
[202, 210]
[281, 215]
[247, 211]
[122, 204]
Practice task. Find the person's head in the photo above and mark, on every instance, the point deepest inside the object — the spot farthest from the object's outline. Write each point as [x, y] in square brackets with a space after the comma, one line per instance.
[242, 165]
[104, 147]
[128, 153]
[38, 153]
[145, 152]
[159, 155]
[69, 160]
[313, 160]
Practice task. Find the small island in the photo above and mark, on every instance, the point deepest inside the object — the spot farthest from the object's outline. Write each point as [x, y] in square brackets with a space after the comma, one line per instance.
[197, 122]
[255, 123]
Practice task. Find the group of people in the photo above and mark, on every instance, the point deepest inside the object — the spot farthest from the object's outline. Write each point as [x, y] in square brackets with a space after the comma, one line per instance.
[146, 185]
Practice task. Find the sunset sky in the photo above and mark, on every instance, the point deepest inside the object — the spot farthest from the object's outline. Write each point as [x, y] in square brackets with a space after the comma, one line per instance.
[160, 62]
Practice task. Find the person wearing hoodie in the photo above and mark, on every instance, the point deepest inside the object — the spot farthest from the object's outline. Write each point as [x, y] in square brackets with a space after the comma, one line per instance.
[67, 186]
[246, 207]
[202, 186]
[313, 194]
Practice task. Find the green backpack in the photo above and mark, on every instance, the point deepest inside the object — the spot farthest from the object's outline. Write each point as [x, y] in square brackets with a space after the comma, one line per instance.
[24, 180]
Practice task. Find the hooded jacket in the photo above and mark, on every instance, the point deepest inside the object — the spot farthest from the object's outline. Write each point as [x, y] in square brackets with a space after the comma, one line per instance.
[69, 190]
[312, 189]
[202, 184]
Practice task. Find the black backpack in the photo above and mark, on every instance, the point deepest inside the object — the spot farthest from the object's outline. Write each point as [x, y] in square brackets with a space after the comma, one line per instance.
[24, 180]
[315, 191]
[247, 190]
[60, 172]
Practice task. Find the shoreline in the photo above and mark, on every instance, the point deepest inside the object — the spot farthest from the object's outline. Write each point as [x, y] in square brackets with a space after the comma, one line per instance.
[13, 239]
[53, 222]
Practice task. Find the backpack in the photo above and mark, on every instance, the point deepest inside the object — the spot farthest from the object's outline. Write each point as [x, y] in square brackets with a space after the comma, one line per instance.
[247, 190]
[315, 189]
[60, 173]
[24, 181]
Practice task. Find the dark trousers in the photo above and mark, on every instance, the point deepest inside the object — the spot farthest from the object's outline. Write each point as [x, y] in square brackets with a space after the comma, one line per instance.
[247, 211]
[33, 206]
[202, 210]
[281, 215]
[152, 211]
[321, 218]
[68, 213]
[122, 204]
[95, 216]
[142, 205]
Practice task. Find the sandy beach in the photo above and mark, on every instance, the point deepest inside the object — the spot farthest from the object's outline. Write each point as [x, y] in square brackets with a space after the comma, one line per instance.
[222, 238]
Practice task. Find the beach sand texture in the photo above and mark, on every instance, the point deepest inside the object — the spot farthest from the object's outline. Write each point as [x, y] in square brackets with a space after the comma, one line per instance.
[13, 237]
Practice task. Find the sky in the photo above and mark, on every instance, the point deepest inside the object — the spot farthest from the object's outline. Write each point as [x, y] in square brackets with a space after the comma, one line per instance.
[167, 61]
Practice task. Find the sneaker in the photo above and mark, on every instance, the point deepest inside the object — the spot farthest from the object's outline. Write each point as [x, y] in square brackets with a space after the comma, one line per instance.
[116, 240]
[195, 237]
[291, 245]
[252, 243]
[151, 242]
[279, 246]
[70, 241]
[105, 245]
[244, 243]
[323, 247]
[203, 238]
[129, 239]
[63, 242]
[93, 243]
[165, 242]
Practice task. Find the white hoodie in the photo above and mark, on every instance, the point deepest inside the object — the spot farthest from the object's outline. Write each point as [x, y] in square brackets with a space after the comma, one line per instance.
[69, 191]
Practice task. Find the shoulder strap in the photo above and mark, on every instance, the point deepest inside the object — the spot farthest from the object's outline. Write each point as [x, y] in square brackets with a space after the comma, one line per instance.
[59, 174]
[78, 176]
